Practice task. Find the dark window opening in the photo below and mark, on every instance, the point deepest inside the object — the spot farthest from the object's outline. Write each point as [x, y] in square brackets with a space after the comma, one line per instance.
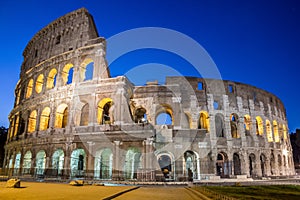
[36, 53]
[58, 39]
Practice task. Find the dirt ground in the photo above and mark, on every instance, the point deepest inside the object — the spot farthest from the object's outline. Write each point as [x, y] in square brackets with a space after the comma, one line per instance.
[57, 191]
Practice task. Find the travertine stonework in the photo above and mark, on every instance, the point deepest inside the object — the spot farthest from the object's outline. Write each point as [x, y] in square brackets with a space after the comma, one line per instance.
[71, 119]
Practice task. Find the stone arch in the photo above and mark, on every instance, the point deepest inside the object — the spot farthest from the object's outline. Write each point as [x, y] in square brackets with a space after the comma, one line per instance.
[84, 117]
[165, 161]
[237, 164]
[252, 161]
[223, 165]
[191, 165]
[86, 69]
[78, 162]
[259, 126]
[269, 131]
[44, 119]
[140, 115]
[58, 162]
[32, 122]
[105, 116]
[279, 160]
[284, 132]
[40, 162]
[234, 125]
[272, 164]
[26, 166]
[164, 115]
[39, 83]
[17, 163]
[103, 164]
[263, 165]
[219, 123]
[61, 116]
[204, 121]
[51, 79]
[275, 130]
[67, 74]
[29, 88]
[247, 124]
[132, 163]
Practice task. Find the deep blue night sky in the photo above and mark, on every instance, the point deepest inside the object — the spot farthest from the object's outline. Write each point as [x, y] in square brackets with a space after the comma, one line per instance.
[255, 42]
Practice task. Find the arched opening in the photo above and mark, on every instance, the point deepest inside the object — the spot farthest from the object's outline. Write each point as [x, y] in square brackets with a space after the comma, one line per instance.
[29, 88]
[140, 115]
[132, 163]
[165, 164]
[104, 114]
[84, 118]
[27, 163]
[86, 70]
[275, 129]
[247, 124]
[17, 163]
[44, 120]
[237, 164]
[77, 164]
[219, 123]
[223, 166]
[263, 165]
[251, 164]
[272, 164]
[39, 83]
[103, 164]
[269, 131]
[259, 126]
[203, 121]
[58, 162]
[51, 80]
[32, 122]
[67, 74]
[234, 125]
[40, 162]
[284, 132]
[279, 164]
[164, 115]
[191, 165]
[61, 117]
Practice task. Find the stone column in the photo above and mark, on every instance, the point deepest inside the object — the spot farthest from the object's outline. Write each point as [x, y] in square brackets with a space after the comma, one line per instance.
[117, 169]
[90, 160]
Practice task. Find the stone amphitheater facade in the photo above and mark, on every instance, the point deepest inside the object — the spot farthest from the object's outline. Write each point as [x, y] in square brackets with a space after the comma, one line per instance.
[72, 119]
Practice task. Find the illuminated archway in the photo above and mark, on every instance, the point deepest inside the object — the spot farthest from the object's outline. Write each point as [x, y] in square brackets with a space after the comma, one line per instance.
[234, 125]
[284, 132]
[247, 124]
[51, 80]
[61, 118]
[17, 163]
[104, 114]
[39, 83]
[86, 69]
[58, 161]
[275, 129]
[32, 122]
[27, 162]
[140, 115]
[103, 164]
[259, 126]
[269, 131]
[204, 121]
[132, 163]
[29, 88]
[40, 162]
[78, 165]
[44, 120]
[67, 74]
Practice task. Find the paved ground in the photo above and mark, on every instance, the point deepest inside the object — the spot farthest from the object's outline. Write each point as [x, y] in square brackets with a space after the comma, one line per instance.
[59, 191]
[163, 192]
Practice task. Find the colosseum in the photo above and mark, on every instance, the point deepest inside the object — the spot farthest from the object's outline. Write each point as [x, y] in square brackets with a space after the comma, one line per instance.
[71, 119]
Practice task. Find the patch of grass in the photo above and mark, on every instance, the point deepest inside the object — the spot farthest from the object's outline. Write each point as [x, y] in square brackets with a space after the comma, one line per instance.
[272, 192]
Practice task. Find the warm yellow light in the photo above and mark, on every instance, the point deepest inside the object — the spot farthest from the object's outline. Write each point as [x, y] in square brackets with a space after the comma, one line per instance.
[285, 152]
